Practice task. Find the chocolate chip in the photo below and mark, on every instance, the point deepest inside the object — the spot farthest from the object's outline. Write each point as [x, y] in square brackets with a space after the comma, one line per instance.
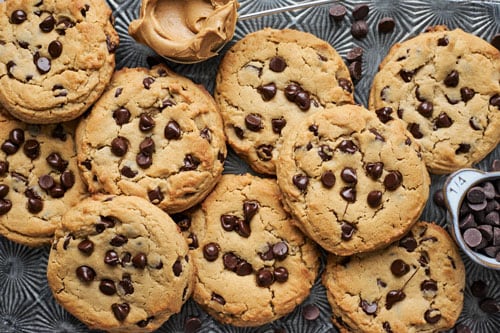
[120, 310]
[265, 277]
[368, 308]
[218, 298]
[67, 179]
[4, 190]
[243, 268]
[476, 195]
[177, 268]
[192, 325]
[300, 181]
[438, 198]
[243, 228]
[337, 12]
[393, 297]
[443, 41]
[4, 167]
[267, 91]
[467, 94]
[57, 191]
[359, 29]
[374, 170]
[463, 148]
[349, 176]
[128, 172]
[146, 122]
[347, 230]
[155, 196]
[43, 65]
[57, 162]
[393, 180]
[277, 64]
[118, 92]
[10, 66]
[211, 251]
[472, 237]
[384, 114]
[111, 258]
[374, 199]
[140, 260]
[121, 116]
[291, 91]
[86, 246]
[126, 284]
[406, 75]
[355, 54]
[35, 205]
[253, 122]
[280, 250]
[425, 109]
[281, 274]
[228, 222]
[5, 206]
[386, 25]
[495, 100]
[310, 312]
[360, 12]
[182, 220]
[265, 152]
[443, 121]
[147, 82]
[46, 182]
[18, 17]
[9, 148]
[314, 128]
[489, 305]
[85, 273]
[348, 146]
[147, 146]
[16, 136]
[432, 316]
[206, 134]
[303, 100]
[190, 163]
[328, 179]
[107, 287]
[345, 84]
[48, 24]
[230, 261]
[355, 70]
[119, 146]
[172, 130]
[399, 267]
[118, 240]
[111, 45]
[479, 289]
[250, 208]
[495, 41]
[32, 149]
[126, 258]
[325, 152]
[278, 125]
[452, 79]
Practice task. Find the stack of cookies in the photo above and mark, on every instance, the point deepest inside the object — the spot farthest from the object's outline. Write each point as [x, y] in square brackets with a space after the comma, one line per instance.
[121, 172]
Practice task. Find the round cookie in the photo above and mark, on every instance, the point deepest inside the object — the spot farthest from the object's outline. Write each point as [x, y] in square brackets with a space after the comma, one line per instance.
[271, 79]
[120, 264]
[253, 265]
[56, 57]
[153, 134]
[39, 179]
[354, 183]
[414, 285]
[445, 87]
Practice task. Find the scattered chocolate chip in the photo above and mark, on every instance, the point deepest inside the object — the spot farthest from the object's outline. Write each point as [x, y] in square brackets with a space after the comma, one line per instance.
[190, 163]
[386, 25]
[267, 91]
[265, 277]
[337, 12]
[310, 312]
[393, 180]
[177, 268]
[85, 273]
[355, 70]
[86, 246]
[328, 179]
[452, 79]
[120, 310]
[146, 122]
[277, 64]
[438, 198]
[359, 29]
[360, 12]
[121, 116]
[300, 181]
[211, 251]
[355, 54]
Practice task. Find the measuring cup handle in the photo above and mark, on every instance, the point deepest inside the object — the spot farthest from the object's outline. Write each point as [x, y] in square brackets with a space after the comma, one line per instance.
[455, 185]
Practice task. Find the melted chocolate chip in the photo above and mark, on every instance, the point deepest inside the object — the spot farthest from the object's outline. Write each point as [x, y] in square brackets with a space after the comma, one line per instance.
[443, 121]
[347, 230]
[120, 310]
[347, 146]
[291, 91]
[425, 109]
[265, 277]
[467, 94]
[111, 258]
[328, 179]
[85, 273]
[147, 82]
[228, 222]
[32, 149]
[244, 268]
[126, 284]
[119, 146]
[218, 298]
[393, 297]
[265, 152]
[140, 260]
[57, 162]
[128, 172]
[155, 196]
[146, 122]
[43, 65]
[250, 208]
[278, 125]
[393, 180]
[190, 163]
[325, 152]
[10, 66]
[206, 134]
[429, 285]
[121, 116]
[374, 170]
[211, 251]
[495, 100]
[172, 130]
[443, 41]
[399, 267]
[384, 114]
[107, 287]
[267, 91]
[177, 268]
[300, 181]
[414, 129]
[374, 198]
[409, 243]
[118, 240]
[406, 75]
[432, 316]
[452, 79]
[243, 228]
[345, 84]
[463, 148]
[253, 122]
[86, 246]
[349, 176]
[368, 308]
[348, 194]
[18, 17]
[277, 64]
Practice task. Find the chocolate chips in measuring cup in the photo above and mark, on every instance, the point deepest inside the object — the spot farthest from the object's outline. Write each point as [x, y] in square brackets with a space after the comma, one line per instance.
[479, 219]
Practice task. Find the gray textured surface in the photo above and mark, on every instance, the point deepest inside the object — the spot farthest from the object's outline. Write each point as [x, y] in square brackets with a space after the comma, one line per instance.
[26, 304]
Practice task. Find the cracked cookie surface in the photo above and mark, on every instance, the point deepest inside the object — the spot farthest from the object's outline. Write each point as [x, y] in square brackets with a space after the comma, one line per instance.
[120, 264]
[414, 285]
[253, 265]
[56, 57]
[153, 134]
[445, 87]
[271, 79]
[353, 183]
[39, 179]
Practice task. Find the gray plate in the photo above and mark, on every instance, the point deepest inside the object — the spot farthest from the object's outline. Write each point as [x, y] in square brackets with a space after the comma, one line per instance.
[26, 303]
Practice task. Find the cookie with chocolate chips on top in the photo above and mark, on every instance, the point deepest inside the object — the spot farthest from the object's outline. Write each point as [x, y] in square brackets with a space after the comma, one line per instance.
[414, 285]
[272, 79]
[445, 87]
[253, 265]
[120, 264]
[353, 183]
[56, 57]
[39, 179]
[153, 134]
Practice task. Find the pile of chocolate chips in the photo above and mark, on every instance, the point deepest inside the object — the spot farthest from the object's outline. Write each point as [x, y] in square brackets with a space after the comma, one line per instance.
[479, 219]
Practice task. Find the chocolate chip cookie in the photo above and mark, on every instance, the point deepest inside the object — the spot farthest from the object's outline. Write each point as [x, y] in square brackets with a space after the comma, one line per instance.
[39, 179]
[271, 79]
[253, 265]
[56, 57]
[445, 87]
[414, 285]
[354, 183]
[153, 134]
[120, 264]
